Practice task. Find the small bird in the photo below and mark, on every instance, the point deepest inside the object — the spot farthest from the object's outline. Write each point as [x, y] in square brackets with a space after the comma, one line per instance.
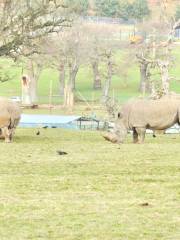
[38, 133]
[45, 127]
[144, 204]
[61, 152]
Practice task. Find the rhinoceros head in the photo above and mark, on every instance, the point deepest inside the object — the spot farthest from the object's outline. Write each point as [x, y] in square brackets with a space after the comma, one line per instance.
[120, 128]
[119, 132]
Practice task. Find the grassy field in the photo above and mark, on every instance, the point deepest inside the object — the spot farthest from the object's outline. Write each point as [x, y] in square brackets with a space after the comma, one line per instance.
[122, 89]
[97, 191]
[84, 84]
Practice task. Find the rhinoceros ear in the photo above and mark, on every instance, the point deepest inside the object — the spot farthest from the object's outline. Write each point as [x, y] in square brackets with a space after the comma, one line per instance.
[119, 115]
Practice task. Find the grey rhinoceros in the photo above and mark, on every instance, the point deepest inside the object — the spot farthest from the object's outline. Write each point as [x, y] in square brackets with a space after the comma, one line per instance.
[10, 115]
[141, 114]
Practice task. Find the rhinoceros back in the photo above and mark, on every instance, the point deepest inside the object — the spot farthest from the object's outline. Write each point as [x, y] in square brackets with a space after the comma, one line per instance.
[11, 111]
[153, 114]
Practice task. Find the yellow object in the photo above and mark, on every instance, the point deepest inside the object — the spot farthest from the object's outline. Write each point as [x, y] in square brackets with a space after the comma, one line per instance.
[136, 39]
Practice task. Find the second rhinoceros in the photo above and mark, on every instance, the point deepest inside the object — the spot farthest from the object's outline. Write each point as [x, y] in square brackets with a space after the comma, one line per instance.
[141, 114]
[10, 114]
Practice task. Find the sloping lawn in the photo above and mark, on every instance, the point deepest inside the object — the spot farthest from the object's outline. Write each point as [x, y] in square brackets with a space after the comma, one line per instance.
[122, 88]
[97, 191]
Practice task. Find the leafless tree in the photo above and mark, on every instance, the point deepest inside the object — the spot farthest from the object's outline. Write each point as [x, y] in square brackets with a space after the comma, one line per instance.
[72, 49]
[155, 55]
[24, 22]
[95, 62]
[34, 69]
[66, 52]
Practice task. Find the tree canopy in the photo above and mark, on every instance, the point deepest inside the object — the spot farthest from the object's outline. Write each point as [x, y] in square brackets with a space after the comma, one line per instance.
[107, 8]
[78, 6]
[137, 9]
[24, 22]
[140, 9]
[177, 15]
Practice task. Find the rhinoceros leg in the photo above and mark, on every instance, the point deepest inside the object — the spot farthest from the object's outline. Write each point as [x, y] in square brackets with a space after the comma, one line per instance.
[141, 133]
[7, 134]
[135, 136]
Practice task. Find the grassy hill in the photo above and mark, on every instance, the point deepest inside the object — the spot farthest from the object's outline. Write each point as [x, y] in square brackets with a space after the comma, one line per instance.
[121, 88]
[97, 191]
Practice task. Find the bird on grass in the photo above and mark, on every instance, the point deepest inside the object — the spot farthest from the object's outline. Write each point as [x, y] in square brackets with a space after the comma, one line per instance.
[61, 152]
[144, 204]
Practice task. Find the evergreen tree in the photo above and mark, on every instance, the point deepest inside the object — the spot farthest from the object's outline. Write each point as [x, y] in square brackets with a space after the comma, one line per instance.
[140, 9]
[125, 10]
[78, 6]
[177, 16]
[107, 8]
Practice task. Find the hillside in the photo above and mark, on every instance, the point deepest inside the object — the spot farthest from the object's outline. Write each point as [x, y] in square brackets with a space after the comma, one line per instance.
[122, 88]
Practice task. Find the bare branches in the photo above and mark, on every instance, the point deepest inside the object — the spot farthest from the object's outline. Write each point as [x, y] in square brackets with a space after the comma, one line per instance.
[23, 22]
[172, 32]
[143, 59]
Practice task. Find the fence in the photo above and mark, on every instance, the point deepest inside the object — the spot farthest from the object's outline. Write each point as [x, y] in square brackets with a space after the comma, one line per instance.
[109, 20]
[177, 33]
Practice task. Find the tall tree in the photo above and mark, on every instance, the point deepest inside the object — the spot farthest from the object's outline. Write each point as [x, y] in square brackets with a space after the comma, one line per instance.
[108, 8]
[78, 6]
[108, 80]
[96, 74]
[155, 57]
[22, 22]
[177, 15]
[137, 9]
[67, 52]
[126, 10]
[140, 9]
[34, 69]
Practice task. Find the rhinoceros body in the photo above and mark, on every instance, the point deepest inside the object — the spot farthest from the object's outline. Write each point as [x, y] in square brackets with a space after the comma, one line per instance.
[10, 115]
[139, 115]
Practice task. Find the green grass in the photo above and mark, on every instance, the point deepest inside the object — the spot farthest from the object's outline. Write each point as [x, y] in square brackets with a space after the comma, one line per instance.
[122, 89]
[84, 84]
[94, 192]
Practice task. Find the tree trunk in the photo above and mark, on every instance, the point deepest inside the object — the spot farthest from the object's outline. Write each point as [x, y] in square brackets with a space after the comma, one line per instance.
[68, 98]
[74, 74]
[73, 70]
[61, 79]
[107, 84]
[34, 74]
[26, 98]
[96, 75]
[144, 82]
[164, 70]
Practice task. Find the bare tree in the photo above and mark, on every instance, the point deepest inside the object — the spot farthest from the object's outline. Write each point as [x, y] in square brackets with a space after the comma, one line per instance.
[96, 75]
[34, 69]
[22, 22]
[155, 55]
[112, 66]
[67, 52]
[94, 57]
[102, 47]
[108, 80]
[62, 76]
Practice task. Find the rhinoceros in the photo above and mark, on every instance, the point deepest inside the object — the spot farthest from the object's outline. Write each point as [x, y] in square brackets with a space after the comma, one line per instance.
[10, 115]
[141, 114]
